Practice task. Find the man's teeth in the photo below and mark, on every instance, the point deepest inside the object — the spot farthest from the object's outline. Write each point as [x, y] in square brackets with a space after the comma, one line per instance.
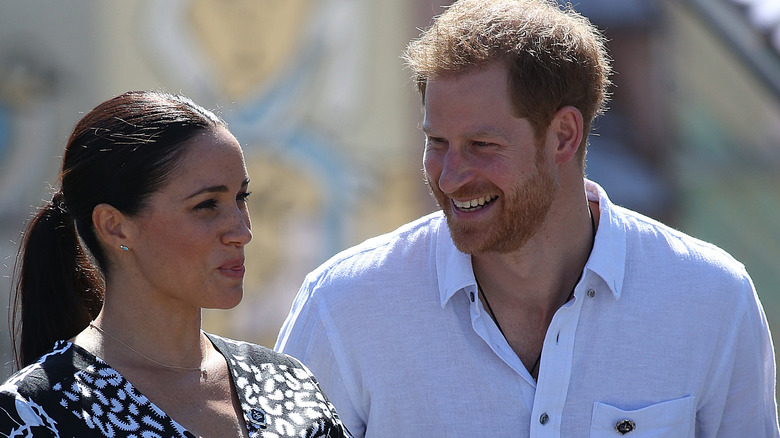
[474, 204]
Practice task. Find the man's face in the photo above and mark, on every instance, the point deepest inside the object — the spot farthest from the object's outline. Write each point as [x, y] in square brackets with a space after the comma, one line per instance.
[485, 166]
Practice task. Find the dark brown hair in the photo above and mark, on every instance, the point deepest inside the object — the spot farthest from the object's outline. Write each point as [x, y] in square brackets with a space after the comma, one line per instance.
[119, 153]
[555, 56]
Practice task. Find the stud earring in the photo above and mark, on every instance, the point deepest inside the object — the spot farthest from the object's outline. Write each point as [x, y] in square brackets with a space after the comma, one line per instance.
[124, 248]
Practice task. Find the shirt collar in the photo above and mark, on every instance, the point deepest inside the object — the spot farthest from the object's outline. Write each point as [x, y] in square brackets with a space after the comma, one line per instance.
[453, 268]
[606, 260]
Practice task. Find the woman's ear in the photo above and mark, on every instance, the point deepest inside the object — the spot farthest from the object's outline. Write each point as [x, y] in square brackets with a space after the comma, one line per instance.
[111, 226]
[568, 126]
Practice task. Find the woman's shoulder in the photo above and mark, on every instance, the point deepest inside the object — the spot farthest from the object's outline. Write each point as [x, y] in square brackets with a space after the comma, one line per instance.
[252, 364]
[50, 371]
[31, 398]
[249, 353]
[274, 387]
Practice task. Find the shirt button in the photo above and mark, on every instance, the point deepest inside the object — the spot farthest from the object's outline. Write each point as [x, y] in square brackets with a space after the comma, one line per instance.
[591, 293]
[544, 418]
[625, 426]
[258, 418]
[472, 296]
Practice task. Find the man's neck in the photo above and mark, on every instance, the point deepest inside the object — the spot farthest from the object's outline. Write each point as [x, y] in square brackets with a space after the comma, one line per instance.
[541, 274]
[523, 290]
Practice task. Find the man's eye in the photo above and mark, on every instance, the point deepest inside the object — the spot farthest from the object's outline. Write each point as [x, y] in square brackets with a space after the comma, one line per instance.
[436, 141]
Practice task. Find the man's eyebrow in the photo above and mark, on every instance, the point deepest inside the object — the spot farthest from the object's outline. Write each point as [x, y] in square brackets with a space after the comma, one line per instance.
[482, 132]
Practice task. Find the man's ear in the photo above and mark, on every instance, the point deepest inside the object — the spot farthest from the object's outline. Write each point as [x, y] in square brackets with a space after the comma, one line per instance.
[111, 226]
[568, 126]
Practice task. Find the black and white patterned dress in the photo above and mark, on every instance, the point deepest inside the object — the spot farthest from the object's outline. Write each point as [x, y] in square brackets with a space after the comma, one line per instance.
[71, 393]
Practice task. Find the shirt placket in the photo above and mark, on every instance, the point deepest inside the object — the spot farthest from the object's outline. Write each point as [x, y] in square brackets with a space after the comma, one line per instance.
[484, 326]
[555, 369]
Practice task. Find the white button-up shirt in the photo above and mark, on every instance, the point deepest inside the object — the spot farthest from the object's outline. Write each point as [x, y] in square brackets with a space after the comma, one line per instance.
[665, 337]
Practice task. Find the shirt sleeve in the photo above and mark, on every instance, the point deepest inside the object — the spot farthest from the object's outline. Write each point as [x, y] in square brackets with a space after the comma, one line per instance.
[309, 335]
[746, 404]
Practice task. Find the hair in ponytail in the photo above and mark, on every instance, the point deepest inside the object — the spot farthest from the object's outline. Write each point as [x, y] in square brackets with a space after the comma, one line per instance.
[59, 302]
[119, 153]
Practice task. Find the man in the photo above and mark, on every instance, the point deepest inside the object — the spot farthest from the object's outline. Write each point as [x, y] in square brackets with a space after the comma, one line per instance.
[530, 305]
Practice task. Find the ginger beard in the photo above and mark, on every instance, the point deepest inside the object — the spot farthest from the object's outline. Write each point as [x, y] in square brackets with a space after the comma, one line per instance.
[522, 213]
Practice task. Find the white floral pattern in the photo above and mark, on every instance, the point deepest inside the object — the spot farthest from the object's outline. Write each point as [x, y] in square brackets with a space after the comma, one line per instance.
[69, 392]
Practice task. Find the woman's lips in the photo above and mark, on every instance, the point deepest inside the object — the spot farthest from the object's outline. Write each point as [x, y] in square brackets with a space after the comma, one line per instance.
[233, 269]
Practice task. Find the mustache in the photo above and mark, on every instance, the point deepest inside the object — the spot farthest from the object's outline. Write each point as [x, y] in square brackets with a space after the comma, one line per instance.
[465, 192]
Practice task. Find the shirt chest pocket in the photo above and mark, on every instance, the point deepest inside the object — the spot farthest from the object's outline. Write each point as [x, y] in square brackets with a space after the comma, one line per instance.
[669, 419]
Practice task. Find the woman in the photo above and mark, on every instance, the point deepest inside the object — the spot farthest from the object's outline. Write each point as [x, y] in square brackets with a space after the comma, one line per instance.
[148, 227]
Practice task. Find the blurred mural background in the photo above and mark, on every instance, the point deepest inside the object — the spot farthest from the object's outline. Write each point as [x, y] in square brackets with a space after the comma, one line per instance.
[317, 95]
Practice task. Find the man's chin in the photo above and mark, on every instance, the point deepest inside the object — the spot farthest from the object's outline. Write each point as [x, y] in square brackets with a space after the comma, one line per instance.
[468, 239]
[474, 241]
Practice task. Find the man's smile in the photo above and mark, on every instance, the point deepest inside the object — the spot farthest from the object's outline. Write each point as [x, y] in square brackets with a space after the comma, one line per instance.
[474, 204]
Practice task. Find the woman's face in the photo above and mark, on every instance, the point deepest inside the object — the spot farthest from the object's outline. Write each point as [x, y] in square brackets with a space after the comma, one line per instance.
[188, 242]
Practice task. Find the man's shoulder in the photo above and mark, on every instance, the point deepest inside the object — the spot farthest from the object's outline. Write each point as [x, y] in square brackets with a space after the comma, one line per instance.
[411, 240]
[657, 269]
[647, 237]
[377, 266]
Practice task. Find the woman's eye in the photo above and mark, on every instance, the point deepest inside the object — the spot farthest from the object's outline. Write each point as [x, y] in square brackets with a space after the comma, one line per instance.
[242, 197]
[207, 205]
